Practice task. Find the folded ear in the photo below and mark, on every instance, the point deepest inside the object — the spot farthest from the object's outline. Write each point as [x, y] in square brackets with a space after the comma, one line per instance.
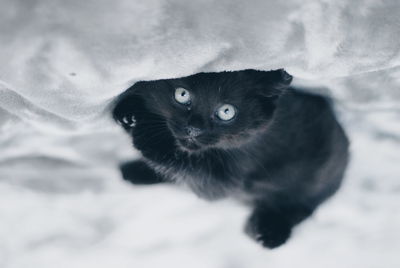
[270, 83]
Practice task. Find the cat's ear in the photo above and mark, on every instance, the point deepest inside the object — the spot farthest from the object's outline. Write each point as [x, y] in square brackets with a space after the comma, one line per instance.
[126, 104]
[270, 83]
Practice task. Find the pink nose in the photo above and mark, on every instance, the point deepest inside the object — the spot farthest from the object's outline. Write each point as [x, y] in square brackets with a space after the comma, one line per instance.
[193, 131]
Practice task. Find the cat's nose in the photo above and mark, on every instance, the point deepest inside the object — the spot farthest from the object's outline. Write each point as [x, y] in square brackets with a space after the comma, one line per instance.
[193, 131]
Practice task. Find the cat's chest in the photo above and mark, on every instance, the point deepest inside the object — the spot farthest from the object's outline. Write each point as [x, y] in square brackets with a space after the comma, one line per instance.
[211, 177]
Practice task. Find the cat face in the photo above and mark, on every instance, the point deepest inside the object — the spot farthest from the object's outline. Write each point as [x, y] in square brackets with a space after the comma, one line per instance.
[208, 110]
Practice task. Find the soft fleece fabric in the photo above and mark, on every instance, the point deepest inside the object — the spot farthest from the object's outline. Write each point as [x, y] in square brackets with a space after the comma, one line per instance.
[62, 202]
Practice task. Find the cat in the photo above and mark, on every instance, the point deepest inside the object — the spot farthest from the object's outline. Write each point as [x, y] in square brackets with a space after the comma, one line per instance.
[243, 134]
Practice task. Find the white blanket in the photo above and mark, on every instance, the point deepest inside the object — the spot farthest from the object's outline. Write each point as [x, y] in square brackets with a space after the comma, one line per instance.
[63, 62]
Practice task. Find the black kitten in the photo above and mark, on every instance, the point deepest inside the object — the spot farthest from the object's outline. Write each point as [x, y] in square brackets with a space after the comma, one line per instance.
[243, 134]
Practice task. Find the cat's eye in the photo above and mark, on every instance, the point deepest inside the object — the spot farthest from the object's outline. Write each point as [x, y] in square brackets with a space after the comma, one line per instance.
[182, 95]
[226, 112]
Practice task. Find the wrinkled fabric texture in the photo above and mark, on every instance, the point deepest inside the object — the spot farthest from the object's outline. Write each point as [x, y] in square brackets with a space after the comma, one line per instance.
[63, 61]
[62, 201]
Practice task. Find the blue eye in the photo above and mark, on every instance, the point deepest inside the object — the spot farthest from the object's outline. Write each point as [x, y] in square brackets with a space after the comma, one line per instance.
[226, 112]
[182, 95]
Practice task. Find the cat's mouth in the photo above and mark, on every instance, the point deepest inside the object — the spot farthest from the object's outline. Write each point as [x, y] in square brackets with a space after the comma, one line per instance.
[189, 144]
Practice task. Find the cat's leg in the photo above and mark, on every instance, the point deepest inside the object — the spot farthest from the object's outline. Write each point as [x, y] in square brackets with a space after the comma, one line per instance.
[272, 226]
[138, 172]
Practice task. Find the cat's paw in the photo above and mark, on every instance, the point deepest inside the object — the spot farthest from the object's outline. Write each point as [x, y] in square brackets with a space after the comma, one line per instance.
[127, 121]
[271, 230]
[138, 172]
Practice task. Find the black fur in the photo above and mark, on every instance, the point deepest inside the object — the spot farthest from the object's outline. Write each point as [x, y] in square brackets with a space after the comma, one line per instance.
[283, 153]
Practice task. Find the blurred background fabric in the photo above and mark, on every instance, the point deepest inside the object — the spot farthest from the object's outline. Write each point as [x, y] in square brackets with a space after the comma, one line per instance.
[62, 202]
